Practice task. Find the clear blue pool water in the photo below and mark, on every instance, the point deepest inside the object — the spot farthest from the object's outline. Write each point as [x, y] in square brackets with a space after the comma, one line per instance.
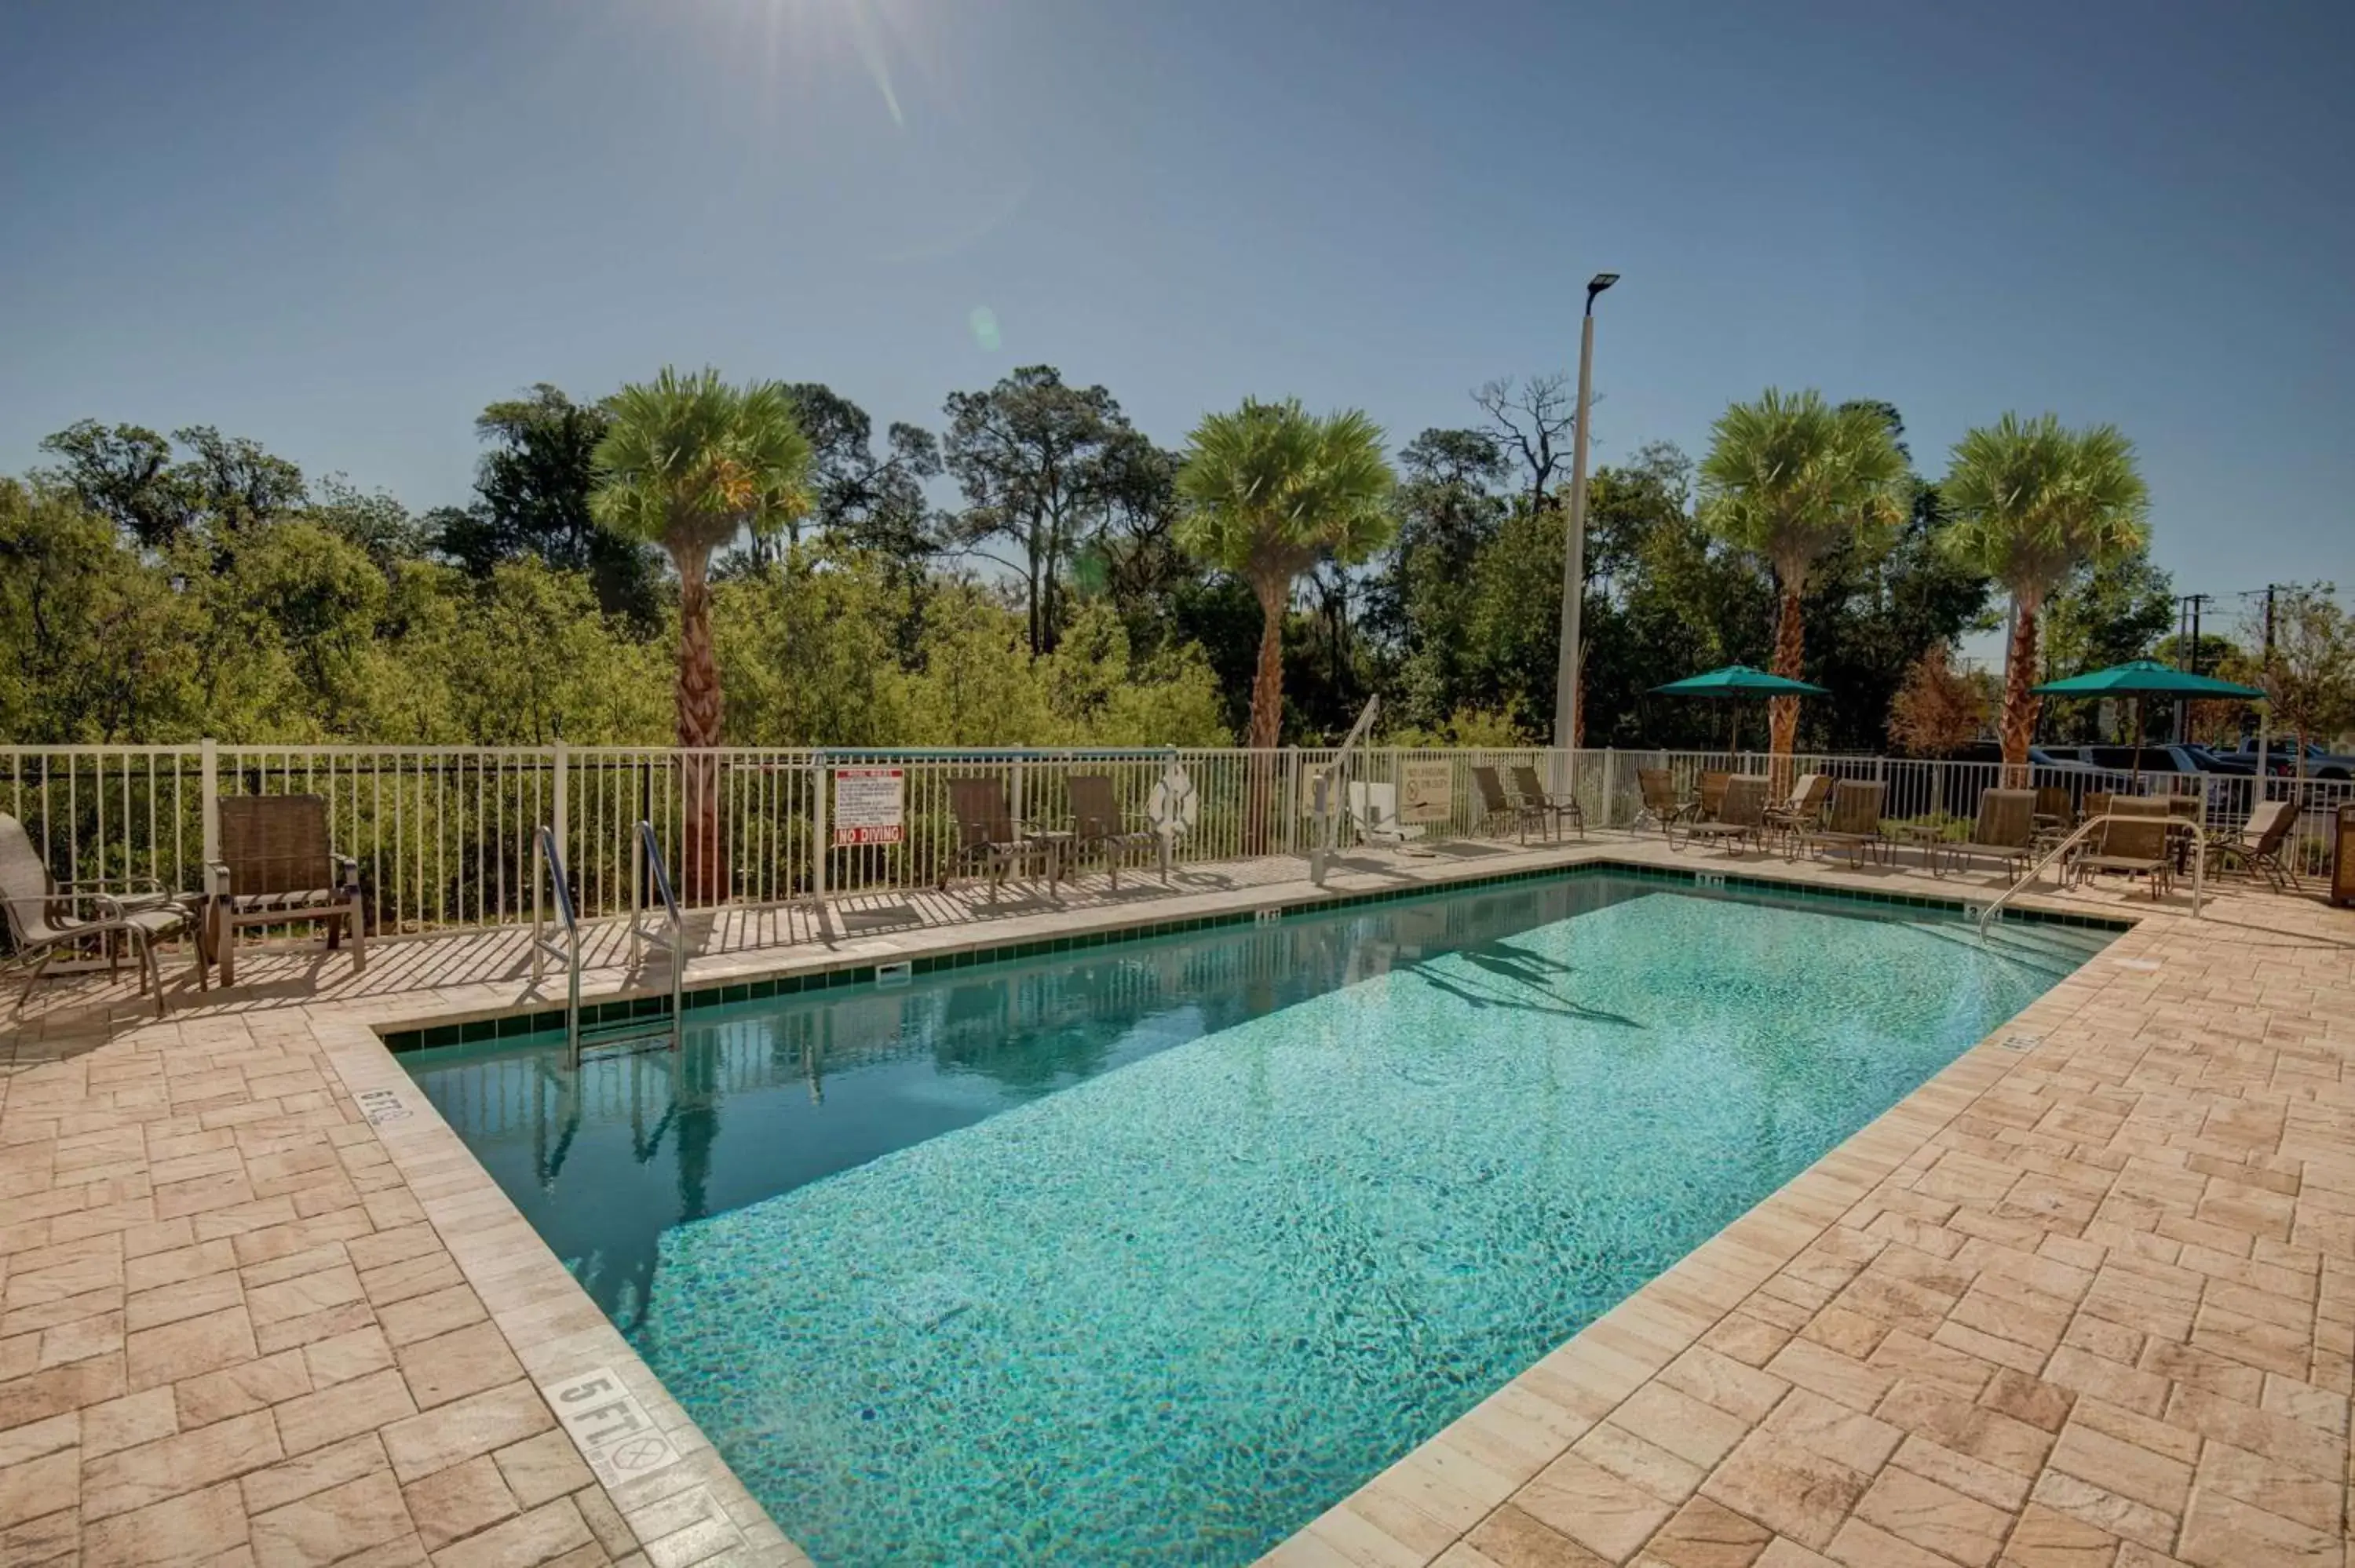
[1150, 1252]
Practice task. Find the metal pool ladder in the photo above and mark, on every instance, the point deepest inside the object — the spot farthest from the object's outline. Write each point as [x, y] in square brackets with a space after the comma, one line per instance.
[671, 938]
[565, 947]
[548, 866]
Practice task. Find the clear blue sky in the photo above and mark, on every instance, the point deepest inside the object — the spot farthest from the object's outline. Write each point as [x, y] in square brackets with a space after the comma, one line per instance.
[341, 229]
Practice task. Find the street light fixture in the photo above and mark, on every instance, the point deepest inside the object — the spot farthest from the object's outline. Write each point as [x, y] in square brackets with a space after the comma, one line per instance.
[1573, 555]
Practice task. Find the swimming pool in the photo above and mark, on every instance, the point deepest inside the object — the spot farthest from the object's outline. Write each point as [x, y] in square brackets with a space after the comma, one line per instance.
[1150, 1252]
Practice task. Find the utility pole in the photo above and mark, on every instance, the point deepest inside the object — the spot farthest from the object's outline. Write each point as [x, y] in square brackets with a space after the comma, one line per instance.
[2187, 657]
[2265, 710]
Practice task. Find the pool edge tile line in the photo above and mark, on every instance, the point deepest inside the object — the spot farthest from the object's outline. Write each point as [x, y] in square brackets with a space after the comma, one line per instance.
[631, 1005]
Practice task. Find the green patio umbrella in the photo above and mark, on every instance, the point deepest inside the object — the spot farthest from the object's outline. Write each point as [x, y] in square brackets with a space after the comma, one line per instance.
[1738, 681]
[2140, 678]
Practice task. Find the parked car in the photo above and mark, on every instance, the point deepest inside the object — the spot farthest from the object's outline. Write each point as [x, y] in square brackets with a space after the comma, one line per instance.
[2159, 757]
[1991, 752]
[2282, 758]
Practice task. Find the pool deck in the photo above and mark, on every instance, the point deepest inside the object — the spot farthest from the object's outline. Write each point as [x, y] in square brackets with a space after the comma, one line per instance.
[2085, 1298]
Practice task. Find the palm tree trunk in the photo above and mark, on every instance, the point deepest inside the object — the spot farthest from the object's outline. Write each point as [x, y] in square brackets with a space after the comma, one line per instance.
[1266, 712]
[702, 876]
[2019, 704]
[1790, 658]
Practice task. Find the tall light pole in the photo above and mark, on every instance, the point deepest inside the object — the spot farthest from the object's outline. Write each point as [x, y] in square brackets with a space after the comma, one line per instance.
[1573, 554]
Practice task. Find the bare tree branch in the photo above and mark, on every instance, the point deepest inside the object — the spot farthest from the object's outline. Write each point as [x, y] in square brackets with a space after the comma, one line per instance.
[1533, 420]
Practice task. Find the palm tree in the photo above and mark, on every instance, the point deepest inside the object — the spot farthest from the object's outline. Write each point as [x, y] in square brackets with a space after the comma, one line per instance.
[1787, 478]
[2032, 505]
[1270, 490]
[690, 462]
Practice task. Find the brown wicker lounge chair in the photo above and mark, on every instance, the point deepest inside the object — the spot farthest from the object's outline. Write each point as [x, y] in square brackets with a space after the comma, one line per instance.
[989, 838]
[2259, 845]
[276, 868]
[1712, 793]
[45, 915]
[1097, 823]
[2132, 842]
[1853, 825]
[1497, 807]
[1741, 814]
[2005, 832]
[1535, 798]
[1662, 804]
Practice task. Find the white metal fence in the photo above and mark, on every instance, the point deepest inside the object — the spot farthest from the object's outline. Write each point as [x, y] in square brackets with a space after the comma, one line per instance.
[442, 835]
[1924, 790]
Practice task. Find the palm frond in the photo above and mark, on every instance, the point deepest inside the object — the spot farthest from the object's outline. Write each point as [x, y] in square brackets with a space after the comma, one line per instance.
[689, 462]
[2032, 501]
[1788, 476]
[1269, 489]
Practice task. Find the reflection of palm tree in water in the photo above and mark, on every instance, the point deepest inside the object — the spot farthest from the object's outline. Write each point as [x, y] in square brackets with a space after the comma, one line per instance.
[619, 1271]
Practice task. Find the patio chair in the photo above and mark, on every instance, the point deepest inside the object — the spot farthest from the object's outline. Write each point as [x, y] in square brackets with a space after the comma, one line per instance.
[1804, 806]
[1098, 823]
[1662, 804]
[2133, 842]
[2258, 846]
[989, 838]
[1741, 814]
[42, 915]
[277, 867]
[2005, 832]
[1712, 793]
[2055, 816]
[1496, 805]
[1373, 811]
[1854, 822]
[1535, 798]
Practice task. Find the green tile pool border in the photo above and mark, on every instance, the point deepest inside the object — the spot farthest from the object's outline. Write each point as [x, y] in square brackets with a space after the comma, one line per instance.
[634, 1009]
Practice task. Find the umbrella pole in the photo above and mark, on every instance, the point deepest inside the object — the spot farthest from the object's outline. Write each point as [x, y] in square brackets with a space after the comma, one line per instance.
[2136, 785]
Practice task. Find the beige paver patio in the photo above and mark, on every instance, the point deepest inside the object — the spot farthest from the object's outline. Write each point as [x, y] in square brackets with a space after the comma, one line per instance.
[2088, 1302]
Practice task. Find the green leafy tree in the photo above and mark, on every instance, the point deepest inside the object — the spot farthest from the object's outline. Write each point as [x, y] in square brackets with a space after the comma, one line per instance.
[532, 486]
[95, 645]
[1788, 478]
[861, 499]
[2309, 678]
[1036, 460]
[690, 462]
[225, 485]
[2033, 503]
[806, 646]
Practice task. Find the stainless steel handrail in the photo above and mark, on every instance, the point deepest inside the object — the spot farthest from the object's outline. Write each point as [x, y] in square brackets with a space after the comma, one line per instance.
[2077, 836]
[673, 938]
[1331, 785]
[547, 869]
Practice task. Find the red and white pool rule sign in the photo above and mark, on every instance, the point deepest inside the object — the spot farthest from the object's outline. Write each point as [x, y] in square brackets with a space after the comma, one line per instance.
[869, 806]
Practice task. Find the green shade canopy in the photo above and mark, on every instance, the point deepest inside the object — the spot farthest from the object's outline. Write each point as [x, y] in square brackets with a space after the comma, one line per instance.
[1738, 680]
[2141, 678]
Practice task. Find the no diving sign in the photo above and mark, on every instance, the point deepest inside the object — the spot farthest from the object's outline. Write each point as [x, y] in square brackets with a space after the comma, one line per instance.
[611, 1427]
[869, 806]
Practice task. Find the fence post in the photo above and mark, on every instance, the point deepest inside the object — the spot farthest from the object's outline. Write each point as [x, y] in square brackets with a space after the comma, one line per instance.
[558, 791]
[818, 833]
[1610, 785]
[208, 798]
[1288, 809]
